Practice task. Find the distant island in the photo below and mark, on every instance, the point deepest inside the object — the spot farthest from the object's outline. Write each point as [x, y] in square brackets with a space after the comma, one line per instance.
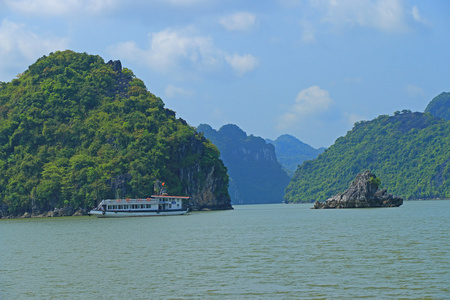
[409, 150]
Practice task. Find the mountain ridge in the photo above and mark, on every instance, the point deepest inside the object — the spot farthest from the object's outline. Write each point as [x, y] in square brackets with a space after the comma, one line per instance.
[408, 151]
[291, 152]
[255, 174]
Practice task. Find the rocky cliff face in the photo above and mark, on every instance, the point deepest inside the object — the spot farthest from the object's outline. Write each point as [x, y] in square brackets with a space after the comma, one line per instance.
[362, 193]
[255, 174]
[206, 184]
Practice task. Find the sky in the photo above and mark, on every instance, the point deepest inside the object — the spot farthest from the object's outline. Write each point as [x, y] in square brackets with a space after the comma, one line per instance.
[301, 67]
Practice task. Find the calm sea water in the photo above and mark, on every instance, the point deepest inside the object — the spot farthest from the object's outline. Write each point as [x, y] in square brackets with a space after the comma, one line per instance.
[260, 251]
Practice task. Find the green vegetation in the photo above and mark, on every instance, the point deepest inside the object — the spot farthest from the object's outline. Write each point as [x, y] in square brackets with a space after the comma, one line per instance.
[440, 106]
[255, 174]
[75, 130]
[409, 152]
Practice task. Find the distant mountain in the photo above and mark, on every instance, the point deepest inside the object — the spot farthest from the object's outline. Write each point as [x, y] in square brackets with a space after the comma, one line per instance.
[292, 152]
[255, 174]
[440, 106]
[409, 152]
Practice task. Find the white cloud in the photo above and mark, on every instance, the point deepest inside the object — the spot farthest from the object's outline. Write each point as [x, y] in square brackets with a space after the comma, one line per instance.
[173, 50]
[169, 45]
[414, 91]
[59, 7]
[309, 102]
[242, 63]
[20, 47]
[169, 49]
[175, 91]
[308, 32]
[185, 2]
[240, 21]
[353, 118]
[416, 15]
[385, 15]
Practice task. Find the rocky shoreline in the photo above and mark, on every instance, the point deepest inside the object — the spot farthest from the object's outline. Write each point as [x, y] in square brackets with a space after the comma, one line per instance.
[363, 192]
[57, 212]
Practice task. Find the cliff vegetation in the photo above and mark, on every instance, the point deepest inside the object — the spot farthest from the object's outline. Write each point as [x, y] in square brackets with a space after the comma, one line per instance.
[409, 151]
[75, 130]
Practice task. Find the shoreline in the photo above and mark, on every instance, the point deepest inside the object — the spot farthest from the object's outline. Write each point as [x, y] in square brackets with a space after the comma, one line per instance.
[56, 213]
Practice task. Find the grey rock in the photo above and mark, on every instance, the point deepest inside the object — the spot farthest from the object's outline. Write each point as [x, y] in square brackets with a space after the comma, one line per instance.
[362, 193]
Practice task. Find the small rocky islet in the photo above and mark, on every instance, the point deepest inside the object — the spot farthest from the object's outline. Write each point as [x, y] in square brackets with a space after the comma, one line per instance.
[364, 192]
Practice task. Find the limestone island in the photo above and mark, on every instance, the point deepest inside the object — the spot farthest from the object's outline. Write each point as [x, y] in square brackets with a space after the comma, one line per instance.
[362, 193]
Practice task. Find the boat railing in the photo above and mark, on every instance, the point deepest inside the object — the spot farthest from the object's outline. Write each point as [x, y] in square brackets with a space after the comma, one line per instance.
[136, 201]
[130, 201]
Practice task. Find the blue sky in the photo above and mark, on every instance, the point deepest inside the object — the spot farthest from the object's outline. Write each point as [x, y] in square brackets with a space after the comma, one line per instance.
[307, 68]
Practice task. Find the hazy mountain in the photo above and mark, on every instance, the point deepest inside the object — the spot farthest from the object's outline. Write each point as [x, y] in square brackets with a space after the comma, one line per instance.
[255, 174]
[291, 152]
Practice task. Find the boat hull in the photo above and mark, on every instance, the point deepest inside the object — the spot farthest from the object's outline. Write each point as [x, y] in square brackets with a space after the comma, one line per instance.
[121, 214]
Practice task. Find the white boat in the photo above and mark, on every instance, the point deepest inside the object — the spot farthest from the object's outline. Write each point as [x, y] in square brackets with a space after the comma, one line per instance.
[156, 205]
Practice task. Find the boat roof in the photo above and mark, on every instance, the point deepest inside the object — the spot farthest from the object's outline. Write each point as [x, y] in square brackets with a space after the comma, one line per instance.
[167, 196]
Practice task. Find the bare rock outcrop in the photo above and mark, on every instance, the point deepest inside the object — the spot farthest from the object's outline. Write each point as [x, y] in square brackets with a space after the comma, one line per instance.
[363, 192]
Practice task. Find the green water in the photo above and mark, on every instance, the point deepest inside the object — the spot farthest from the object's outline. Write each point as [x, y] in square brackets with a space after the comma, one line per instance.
[253, 252]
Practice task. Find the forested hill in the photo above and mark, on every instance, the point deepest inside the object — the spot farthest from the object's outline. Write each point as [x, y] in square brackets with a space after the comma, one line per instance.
[440, 106]
[75, 130]
[292, 152]
[255, 174]
[409, 152]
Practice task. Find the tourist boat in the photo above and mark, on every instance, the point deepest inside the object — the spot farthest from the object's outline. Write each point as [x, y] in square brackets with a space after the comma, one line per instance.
[156, 205]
